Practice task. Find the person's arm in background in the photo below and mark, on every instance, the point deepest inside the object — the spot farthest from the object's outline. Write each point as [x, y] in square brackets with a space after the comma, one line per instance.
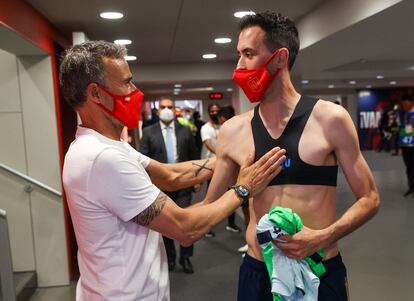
[206, 139]
[124, 134]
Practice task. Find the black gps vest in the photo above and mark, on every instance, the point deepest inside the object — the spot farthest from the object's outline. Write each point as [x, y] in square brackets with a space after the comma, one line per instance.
[294, 171]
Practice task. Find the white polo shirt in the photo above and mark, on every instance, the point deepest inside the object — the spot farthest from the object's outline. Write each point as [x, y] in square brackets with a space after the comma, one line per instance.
[106, 186]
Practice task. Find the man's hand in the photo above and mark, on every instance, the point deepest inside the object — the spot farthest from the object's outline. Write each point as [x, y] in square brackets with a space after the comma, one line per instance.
[304, 243]
[256, 177]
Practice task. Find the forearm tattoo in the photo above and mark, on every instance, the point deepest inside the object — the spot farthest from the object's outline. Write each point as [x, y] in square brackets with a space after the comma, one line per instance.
[201, 167]
[146, 216]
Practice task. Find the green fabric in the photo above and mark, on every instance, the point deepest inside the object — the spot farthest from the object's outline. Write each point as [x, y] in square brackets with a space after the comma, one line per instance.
[291, 223]
[185, 122]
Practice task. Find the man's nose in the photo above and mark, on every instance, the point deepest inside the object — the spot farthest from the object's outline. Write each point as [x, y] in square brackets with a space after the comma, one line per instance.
[240, 63]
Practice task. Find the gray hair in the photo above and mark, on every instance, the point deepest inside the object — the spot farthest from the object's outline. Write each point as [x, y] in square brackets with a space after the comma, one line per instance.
[81, 65]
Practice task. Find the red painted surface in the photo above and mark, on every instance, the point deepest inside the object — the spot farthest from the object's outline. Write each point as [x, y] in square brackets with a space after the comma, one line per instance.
[25, 21]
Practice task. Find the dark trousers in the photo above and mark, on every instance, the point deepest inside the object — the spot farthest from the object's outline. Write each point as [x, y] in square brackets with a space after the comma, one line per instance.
[254, 282]
[408, 157]
[183, 200]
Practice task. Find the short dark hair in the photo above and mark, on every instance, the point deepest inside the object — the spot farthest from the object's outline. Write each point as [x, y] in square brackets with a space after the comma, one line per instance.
[227, 112]
[167, 98]
[81, 65]
[212, 105]
[280, 32]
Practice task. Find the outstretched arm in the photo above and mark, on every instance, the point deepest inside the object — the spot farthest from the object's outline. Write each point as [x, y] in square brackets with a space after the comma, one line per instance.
[171, 177]
[189, 224]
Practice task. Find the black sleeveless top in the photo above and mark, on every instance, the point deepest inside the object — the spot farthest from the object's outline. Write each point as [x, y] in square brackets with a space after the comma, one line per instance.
[294, 171]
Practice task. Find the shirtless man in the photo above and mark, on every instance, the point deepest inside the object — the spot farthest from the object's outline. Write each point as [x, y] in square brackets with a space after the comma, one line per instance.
[316, 134]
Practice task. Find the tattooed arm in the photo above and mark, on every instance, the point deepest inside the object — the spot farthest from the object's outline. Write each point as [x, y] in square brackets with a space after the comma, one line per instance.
[189, 224]
[171, 177]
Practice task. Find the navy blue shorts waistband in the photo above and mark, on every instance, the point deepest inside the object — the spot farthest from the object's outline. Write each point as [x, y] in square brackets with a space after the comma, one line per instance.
[261, 266]
[333, 262]
[253, 263]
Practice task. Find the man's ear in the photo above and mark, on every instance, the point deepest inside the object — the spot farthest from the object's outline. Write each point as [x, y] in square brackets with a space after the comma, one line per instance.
[282, 58]
[93, 93]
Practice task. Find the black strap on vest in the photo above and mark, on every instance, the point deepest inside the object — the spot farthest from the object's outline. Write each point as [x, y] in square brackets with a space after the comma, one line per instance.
[295, 171]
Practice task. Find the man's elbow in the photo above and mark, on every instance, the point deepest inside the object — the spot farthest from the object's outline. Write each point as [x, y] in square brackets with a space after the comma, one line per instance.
[375, 202]
[186, 239]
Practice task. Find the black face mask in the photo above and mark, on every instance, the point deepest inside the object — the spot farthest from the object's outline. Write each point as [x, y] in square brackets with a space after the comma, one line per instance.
[214, 118]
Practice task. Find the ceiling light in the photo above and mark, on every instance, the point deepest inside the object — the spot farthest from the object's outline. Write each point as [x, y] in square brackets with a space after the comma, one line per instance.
[364, 93]
[178, 85]
[380, 76]
[222, 40]
[331, 86]
[177, 89]
[130, 57]
[229, 89]
[305, 81]
[123, 42]
[352, 82]
[111, 15]
[209, 89]
[241, 14]
[393, 82]
[209, 56]
[176, 92]
[368, 86]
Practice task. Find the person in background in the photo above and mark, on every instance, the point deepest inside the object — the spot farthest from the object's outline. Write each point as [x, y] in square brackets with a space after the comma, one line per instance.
[209, 132]
[406, 140]
[169, 142]
[198, 123]
[394, 124]
[185, 120]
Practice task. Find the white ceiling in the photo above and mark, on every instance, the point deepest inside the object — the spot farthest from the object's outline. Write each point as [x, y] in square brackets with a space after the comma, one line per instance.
[362, 38]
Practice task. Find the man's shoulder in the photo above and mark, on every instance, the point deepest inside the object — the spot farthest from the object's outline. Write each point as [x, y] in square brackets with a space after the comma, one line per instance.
[151, 128]
[239, 121]
[327, 111]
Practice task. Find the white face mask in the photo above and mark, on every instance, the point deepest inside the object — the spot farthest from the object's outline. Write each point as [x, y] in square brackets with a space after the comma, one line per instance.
[166, 115]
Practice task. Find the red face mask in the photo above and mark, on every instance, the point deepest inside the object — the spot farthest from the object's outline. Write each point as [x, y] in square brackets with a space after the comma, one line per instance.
[255, 82]
[126, 107]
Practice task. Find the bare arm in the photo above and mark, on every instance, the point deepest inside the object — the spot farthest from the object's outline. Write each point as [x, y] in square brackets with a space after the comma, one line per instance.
[210, 145]
[225, 173]
[343, 137]
[189, 224]
[359, 177]
[171, 177]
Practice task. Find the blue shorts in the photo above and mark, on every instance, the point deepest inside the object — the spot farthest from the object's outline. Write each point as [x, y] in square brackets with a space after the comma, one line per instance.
[254, 282]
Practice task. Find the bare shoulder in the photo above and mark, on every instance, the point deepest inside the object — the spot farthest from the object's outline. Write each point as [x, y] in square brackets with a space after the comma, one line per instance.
[237, 124]
[336, 124]
[330, 114]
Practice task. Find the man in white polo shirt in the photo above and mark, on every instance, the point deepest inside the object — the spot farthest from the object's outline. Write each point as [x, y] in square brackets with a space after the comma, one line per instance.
[117, 209]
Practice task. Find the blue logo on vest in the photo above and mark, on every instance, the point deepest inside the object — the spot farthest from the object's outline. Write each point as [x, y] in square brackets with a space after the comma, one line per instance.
[287, 164]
